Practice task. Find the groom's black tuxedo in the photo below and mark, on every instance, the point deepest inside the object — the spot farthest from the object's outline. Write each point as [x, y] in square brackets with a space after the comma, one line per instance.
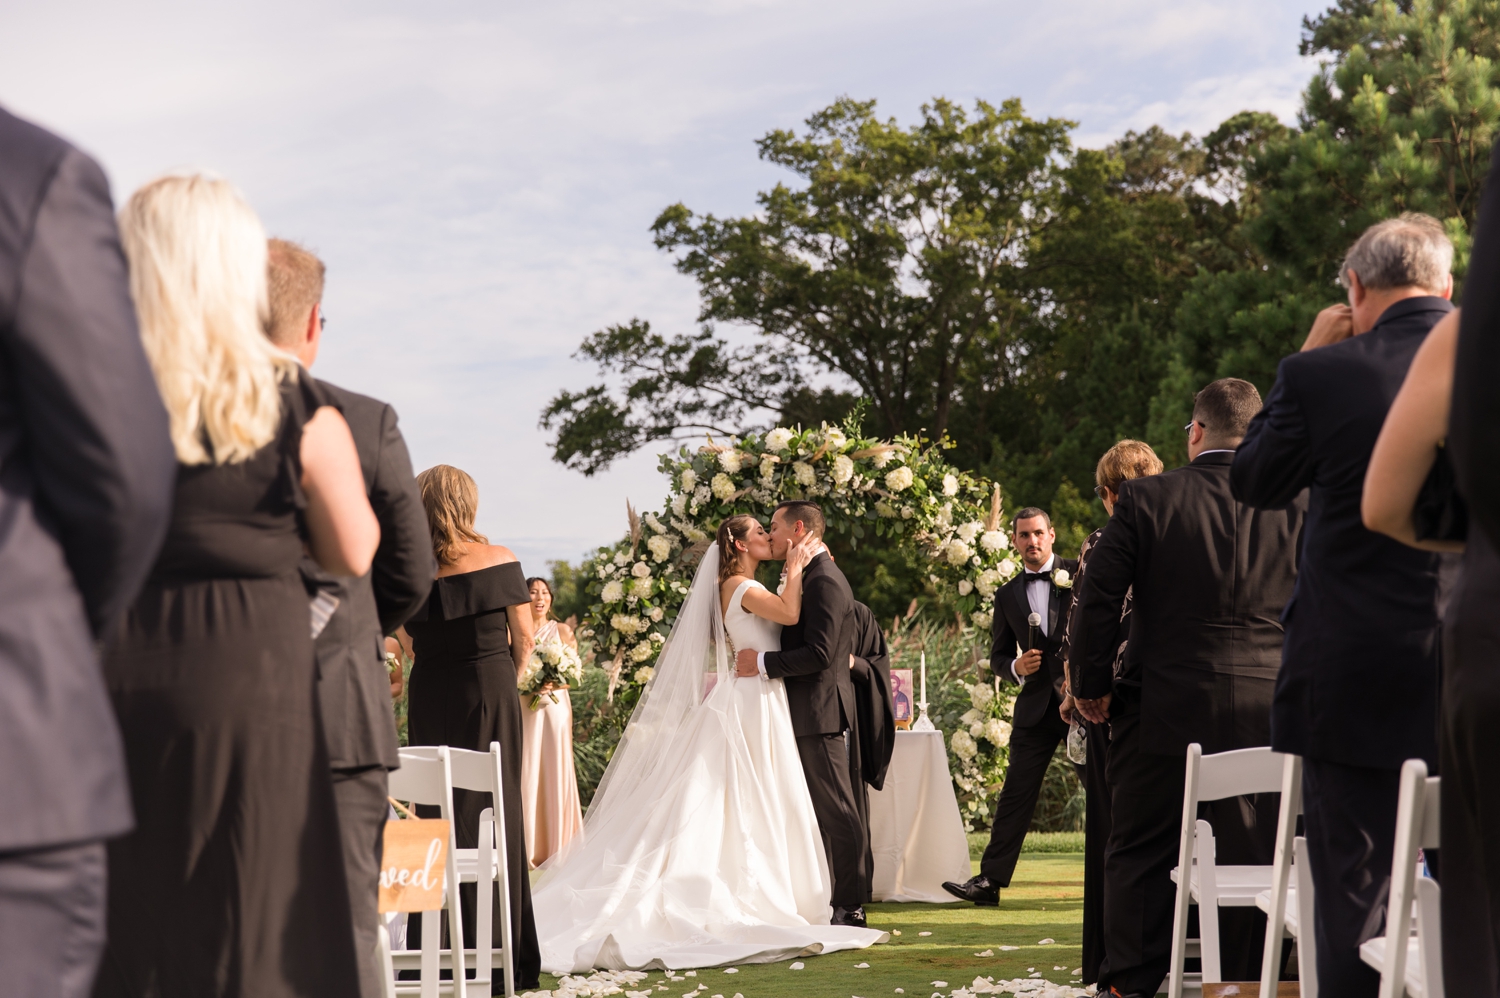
[814, 663]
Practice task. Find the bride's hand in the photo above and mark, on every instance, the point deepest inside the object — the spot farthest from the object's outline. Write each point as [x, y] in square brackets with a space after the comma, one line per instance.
[798, 554]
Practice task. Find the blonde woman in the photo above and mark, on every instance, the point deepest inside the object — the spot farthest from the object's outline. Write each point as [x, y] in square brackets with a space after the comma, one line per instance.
[465, 643]
[232, 882]
[549, 783]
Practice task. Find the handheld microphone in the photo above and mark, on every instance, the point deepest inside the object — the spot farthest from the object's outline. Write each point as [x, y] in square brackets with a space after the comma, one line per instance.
[1034, 638]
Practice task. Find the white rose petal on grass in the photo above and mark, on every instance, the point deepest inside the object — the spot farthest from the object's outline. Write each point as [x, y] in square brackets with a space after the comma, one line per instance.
[1008, 948]
[861, 966]
[1077, 972]
[731, 970]
[895, 932]
[1049, 941]
[797, 966]
[988, 952]
[940, 984]
[924, 933]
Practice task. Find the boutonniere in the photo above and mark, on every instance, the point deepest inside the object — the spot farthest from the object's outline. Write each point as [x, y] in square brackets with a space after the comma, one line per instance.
[1061, 579]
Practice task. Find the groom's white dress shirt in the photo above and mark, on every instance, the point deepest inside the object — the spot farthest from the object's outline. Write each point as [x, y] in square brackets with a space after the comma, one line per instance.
[1039, 598]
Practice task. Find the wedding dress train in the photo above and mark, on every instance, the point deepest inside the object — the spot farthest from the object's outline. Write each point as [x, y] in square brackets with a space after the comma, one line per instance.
[701, 848]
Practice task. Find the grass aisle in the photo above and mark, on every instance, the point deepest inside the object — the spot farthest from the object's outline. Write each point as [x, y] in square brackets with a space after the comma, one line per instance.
[1045, 902]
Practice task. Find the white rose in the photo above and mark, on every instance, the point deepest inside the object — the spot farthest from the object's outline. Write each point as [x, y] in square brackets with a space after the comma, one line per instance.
[970, 530]
[881, 459]
[993, 540]
[641, 570]
[1062, 579]
[1007, 568]
[689, 479]
[804, 473]
[843, 469]
[643, 674]
[729, 460]
[963, 745]
[907, 512]
[778, 439]
[679, 505]
[950, 488]
[982, 619]
[883, 508]
[965, 587]
[834, 437]
[613, 592]
[656, 638]
[723, 486]
[602, 571]
[958, 552]
[898, 479]
[657, 614]
[659, 546]
[642, 651]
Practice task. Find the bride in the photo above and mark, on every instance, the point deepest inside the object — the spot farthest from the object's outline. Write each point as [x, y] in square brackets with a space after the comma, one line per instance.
[701, 847]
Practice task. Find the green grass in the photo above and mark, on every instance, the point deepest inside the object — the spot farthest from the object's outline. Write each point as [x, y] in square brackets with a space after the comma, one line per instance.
[1045, 842]
[1045, 900]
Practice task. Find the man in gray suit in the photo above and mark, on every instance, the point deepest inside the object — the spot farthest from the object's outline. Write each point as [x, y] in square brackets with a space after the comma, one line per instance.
[86, 479]
[354, 689]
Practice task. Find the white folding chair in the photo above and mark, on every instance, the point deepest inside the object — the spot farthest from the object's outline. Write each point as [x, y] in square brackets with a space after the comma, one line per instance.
[1210, 886]
[427, 779]
[486, 865]
[1408, 960]
[1289, 903]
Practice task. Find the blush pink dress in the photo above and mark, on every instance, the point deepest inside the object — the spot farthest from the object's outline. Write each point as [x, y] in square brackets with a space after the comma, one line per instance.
[549, 784]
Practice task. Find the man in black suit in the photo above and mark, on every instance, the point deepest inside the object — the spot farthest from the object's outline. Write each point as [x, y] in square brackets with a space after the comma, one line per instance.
[875, 714]
[87, 473]
[814, 662]
[354, 690]
[1029, 655]
[1357, 695]
[1210, 578]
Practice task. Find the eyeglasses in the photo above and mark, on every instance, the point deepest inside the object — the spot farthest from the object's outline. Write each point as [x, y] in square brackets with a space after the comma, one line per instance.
[1189, 427]
[322, 320]
[1101, 491]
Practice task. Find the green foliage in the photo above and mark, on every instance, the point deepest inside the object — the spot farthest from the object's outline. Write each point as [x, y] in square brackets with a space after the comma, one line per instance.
[570, 600]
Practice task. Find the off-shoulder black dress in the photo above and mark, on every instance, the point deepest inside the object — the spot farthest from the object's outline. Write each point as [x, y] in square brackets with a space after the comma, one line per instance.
[463, 693]
[232, 883]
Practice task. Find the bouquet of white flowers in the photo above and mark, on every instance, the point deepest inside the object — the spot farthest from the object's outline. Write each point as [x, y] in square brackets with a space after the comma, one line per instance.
[552, 664]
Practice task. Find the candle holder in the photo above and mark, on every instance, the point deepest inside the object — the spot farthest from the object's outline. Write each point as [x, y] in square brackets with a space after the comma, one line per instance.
[923, 723]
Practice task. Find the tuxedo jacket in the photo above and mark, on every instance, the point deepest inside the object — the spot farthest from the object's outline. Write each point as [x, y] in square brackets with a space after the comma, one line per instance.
[1211, 576]
[1041, 692]
[354, 688]
[1359, 677]
[1474, 422]
[87, 473]
[814, 655]
[875, 711]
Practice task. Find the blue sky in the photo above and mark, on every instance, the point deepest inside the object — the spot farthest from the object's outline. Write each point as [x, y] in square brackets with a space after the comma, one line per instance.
[481, 177]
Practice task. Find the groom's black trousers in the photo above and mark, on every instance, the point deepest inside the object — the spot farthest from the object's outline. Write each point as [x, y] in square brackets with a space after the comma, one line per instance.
[832, 779]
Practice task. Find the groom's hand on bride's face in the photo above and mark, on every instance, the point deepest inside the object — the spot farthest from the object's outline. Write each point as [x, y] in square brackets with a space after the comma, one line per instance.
[745, 662]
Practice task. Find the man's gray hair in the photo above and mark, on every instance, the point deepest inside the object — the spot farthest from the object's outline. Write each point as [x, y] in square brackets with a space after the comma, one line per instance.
[1411, 250]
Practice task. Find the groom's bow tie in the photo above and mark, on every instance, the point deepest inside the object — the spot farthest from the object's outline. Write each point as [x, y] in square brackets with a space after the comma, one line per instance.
[1029, 577]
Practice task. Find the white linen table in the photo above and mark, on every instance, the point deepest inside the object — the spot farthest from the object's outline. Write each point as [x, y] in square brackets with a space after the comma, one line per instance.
[916, 834]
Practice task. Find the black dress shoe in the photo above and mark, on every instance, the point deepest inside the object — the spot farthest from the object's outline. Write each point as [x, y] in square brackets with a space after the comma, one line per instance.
[850, 916]
[977, 889]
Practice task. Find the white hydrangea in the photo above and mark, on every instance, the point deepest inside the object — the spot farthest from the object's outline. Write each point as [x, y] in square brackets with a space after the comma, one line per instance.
[660, 547]
[976, 729]
[970, 530]
[982, 619]
[834, 437]
[969, 717]
[987, 582]
[643, 674]
[997, 732]
[965, 587]
[657, 614]
[950, 487]
[723, 486]
[843, 469]
[642, 651]
[994, 540]
[981, 695]
[641, 570]
[804, 473]
[963, 745]
[1007, 568]
[958, 552]
[779, 439]
[627, 623]
[883, 508]
[689, 479]
[640, 587]
[613, 592]
[898, 479]
[730, 461]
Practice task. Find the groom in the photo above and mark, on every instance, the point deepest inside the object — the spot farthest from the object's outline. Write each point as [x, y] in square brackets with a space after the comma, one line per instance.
[814, 662]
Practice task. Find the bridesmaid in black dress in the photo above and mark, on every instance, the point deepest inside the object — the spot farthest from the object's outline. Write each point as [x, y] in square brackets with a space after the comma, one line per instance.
[232, 882]
[465, 644]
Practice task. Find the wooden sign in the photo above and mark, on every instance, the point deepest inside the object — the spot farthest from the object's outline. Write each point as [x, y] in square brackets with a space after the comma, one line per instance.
[413, 865]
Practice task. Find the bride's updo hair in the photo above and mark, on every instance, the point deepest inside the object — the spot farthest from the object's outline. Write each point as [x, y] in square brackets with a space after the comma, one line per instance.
[731, 531]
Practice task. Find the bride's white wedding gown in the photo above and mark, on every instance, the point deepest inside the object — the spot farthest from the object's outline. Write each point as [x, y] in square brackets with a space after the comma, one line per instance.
[721, 863]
